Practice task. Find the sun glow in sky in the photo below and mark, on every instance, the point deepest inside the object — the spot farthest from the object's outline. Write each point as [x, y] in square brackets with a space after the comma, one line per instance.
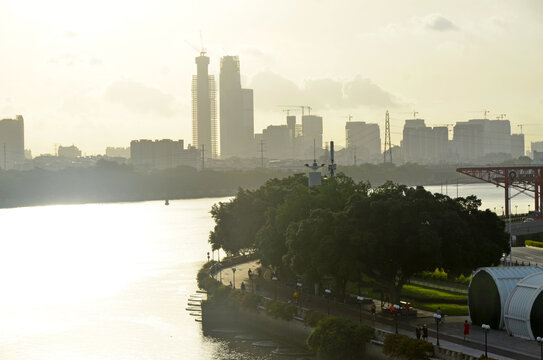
[100, 73]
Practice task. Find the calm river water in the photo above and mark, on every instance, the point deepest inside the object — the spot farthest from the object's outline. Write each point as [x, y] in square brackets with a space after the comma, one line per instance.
[105, 281]
[111, 281]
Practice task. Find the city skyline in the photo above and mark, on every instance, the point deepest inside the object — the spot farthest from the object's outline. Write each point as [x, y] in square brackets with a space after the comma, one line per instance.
[79, 81]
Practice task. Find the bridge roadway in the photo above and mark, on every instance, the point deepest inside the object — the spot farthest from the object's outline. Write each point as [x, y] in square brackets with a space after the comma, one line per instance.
[529, 255]
[525, 228]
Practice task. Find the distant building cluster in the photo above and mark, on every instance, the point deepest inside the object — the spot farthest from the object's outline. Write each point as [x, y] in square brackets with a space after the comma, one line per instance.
[69, 152]
[118, 152]
[162, 154]
[223, 136]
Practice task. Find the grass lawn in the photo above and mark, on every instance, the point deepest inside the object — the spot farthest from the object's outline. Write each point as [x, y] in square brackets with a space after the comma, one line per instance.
[423, 298]
[447, 309]
[425, 295]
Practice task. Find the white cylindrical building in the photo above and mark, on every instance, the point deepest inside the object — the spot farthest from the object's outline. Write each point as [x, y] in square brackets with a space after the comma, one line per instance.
[523, 312]
[489, 289]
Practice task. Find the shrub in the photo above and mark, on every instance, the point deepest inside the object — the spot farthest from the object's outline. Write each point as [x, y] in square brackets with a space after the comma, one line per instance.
[401, 346]
[280, 310]
[538, 244]
[250, 301]
[312, 318]
[339, 338]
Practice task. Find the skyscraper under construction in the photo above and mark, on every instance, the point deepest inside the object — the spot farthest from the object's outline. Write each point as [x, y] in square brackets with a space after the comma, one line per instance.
[204, 108]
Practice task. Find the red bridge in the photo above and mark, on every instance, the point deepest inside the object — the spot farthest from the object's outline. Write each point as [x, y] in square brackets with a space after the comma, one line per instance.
[525, 179]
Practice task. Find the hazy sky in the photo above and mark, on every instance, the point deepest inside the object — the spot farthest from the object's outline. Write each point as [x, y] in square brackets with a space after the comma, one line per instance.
[100, 73]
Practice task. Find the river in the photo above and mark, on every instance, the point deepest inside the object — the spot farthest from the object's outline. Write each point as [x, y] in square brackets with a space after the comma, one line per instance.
[105, 281]
[112, 281]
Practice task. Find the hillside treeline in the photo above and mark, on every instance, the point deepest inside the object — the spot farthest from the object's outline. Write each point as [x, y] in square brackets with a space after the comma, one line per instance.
[109, 182]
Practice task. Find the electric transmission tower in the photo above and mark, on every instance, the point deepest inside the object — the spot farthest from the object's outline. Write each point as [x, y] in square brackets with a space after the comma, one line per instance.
[388, 144]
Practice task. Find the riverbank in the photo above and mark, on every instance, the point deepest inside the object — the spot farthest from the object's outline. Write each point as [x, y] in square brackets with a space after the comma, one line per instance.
[111, 182]
[501, 346]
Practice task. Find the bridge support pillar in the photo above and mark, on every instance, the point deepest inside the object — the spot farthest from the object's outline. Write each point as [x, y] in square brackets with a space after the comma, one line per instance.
[537, 187]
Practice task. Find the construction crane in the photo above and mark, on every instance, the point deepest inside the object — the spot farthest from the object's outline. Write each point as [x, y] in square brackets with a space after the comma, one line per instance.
[414, 113]
[350, 117]
[201, 50]
[303, 107]
[522, 125]
[485, 113]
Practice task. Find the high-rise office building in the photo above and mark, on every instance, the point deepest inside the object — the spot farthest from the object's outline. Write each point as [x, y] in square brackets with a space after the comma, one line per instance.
[277, 142]
[12, 143]
[247, 136]
[204, 109]
[311, 136]
[423, 144]
[496, 136]
[517, 145]
[536, 146]
[363, 140]
[236, 111]
[477, 138]
[467, 140]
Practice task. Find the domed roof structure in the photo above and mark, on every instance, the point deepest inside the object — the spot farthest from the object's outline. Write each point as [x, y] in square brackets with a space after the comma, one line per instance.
[489, 289]
[523, 311]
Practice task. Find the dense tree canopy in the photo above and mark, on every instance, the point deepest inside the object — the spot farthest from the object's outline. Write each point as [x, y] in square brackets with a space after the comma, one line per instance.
[345, 230]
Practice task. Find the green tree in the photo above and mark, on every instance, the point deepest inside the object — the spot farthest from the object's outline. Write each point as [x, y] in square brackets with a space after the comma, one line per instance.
[340, 338]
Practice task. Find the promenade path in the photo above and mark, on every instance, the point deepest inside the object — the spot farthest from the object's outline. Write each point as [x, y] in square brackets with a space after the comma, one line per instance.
[500, 345]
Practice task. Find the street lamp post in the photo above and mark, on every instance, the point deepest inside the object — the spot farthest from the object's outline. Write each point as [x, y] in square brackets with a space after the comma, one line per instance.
[233, 278]
[360, 300]
[250, 272]
[274, 279]
[486, 328]
[516, 210]
[540, 341]
[437, 318]
[299, 285]
[396, 314]
[328, 292]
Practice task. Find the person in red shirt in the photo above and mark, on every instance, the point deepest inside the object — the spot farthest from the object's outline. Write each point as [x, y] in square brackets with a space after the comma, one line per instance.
[466, 330]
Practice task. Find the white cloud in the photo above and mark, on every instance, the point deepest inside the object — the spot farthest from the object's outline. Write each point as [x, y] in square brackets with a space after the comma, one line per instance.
[438, 22]
[273, 90]
[140, 98]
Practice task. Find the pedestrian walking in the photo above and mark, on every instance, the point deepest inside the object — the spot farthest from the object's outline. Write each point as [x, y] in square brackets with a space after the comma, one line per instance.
[466, 330]
[242, 286]
[373, 311]
[231, 285]
[417, 332]
[425, 332]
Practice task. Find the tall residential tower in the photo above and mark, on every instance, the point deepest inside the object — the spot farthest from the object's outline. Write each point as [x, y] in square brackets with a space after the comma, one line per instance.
[204, 109]
[236, 111]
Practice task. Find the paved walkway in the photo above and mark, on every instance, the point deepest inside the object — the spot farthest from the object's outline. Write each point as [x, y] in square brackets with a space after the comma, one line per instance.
[500, 345]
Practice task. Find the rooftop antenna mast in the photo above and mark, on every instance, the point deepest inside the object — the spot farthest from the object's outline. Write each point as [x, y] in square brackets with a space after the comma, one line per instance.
[332, 166]
[388, 144]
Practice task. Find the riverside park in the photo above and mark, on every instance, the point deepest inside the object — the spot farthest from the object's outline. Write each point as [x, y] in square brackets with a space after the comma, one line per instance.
[344, 271]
